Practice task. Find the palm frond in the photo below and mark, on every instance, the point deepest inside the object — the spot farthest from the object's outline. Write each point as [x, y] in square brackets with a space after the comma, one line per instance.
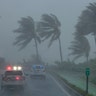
[51, 40]
[48, 19]
[24, 44]
[87, 20]
[48, 27]
[26, 32]
[78, 56]
[47, 36]
[92, 7]
[56, 20]
[44, 24]
[80, 47]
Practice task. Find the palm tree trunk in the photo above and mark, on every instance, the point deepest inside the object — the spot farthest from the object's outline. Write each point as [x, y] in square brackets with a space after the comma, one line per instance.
[60, 50]
[36, 45]
[87, 59]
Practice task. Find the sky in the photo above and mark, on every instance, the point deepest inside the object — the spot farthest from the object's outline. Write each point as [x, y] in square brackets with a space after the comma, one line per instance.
[67, 11]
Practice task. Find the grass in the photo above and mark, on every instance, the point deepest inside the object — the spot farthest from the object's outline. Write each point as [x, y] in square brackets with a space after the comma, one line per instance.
[76, 82]
[79, 90]
[75, 74]
[94, 80]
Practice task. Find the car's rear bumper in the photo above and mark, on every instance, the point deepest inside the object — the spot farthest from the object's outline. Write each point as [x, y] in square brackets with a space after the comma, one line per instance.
[38, 73]
[38, 76]
[13, 83]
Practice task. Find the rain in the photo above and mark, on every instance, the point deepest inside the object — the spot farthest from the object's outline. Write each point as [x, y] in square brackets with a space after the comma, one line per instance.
[50, 38]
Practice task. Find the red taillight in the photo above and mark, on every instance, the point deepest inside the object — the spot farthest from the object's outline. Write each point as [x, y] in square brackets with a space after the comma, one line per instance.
[20, 78]
[17, 78]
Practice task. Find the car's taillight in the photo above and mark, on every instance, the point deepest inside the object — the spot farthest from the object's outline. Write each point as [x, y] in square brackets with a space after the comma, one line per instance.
[20, 78]
[17, 78]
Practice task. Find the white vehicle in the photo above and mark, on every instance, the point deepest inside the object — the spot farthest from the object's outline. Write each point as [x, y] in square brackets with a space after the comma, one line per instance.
[38, 70]
[13, 76]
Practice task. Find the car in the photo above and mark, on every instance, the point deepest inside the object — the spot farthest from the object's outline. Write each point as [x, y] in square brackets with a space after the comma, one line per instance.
[38, 70]
[13, 77]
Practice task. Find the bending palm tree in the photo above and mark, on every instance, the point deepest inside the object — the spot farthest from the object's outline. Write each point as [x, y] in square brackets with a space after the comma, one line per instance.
[27, 33]
[87, 21]
[80, 47]
[49, 27]
[92, 9]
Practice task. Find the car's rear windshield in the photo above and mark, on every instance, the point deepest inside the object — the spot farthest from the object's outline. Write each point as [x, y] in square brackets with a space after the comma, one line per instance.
[38, 67]
[13, 73]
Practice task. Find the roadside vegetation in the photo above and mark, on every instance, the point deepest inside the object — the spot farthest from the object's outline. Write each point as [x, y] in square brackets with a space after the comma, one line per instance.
[74, 74]
[74, 87]
[81, 47]
[78, 68]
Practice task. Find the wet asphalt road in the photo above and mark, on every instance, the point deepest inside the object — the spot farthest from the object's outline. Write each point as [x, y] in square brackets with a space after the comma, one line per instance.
[38, 87]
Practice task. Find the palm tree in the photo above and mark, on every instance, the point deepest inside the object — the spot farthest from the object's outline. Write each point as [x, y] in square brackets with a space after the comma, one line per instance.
[27, 33]
[92, 9]
[80, 47]
[49, 27]
[87, 21]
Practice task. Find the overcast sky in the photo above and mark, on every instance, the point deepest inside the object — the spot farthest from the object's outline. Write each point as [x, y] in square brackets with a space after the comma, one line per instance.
[67, 12]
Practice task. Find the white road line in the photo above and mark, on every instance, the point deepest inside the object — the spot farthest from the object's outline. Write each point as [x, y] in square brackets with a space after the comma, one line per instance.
[60, 86]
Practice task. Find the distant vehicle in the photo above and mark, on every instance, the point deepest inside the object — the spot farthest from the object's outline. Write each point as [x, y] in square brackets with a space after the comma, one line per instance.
[13, 76]
[38, 70]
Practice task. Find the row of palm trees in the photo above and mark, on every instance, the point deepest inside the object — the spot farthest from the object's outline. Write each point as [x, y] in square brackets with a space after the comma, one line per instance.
[85, 25]
[47, 27]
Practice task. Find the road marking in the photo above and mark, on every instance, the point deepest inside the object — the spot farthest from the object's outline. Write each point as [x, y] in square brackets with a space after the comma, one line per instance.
[60, 86]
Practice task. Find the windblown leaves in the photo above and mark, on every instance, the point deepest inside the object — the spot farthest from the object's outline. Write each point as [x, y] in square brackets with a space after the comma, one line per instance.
[26, 32]
[80, 47]
[87, 20]
[49, 27]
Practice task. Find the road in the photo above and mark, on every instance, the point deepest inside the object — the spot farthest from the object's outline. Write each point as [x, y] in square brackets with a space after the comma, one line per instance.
[38, 87]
